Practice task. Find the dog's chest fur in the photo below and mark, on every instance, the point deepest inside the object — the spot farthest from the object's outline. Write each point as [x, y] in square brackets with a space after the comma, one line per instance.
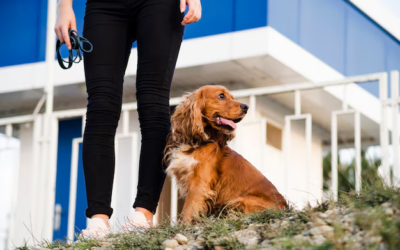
[182, 166]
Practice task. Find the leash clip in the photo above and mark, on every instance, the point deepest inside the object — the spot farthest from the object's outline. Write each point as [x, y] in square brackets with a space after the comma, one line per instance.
[77, 45]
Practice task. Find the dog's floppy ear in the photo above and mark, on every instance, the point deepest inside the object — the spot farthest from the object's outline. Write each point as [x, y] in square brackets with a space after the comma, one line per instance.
[187, 121]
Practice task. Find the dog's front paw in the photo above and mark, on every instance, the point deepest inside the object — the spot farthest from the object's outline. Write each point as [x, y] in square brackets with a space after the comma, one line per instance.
[187, 217]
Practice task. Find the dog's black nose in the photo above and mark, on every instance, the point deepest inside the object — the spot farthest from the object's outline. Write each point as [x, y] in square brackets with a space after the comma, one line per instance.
[244, 107]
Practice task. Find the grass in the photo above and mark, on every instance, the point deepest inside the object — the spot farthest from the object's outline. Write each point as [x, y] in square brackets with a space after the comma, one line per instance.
[376, 213]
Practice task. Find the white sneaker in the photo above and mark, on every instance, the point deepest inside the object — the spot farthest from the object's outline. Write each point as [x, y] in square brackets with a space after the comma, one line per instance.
[137, 222]
[96, 229]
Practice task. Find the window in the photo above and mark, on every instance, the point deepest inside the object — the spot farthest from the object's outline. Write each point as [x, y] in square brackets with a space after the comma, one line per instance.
[274, 136]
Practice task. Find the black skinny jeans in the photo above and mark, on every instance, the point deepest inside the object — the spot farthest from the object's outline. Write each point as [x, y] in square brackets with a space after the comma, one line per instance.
[112, 26]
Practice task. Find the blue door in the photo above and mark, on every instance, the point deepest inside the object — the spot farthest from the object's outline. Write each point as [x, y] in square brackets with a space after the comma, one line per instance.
[68, 130]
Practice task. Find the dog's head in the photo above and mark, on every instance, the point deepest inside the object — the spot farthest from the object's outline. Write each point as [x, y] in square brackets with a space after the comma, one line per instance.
[209, 113]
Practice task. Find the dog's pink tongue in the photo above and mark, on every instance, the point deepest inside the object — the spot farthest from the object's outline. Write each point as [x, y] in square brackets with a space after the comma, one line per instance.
[228, 122]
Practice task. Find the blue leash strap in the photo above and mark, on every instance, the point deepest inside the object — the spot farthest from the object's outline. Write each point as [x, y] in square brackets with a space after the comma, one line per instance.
[77, 45]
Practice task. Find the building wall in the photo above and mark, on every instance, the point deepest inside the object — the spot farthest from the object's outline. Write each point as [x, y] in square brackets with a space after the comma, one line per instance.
[339, 34]
[24, 34]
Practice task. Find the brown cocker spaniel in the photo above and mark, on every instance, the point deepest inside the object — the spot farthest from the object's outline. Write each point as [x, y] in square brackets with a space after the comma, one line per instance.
[209, 174]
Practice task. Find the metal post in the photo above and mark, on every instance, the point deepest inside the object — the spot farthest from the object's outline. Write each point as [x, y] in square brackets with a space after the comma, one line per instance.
[334, 157]
[308, 151]
[125, 120]
[45, 213]
[36, 179]
[52, 161]
[72, 188]
[50, 58]
[344, 101]
[83, 124]
[394, 78]
[334, 147]
[14, 190]
[297, 102]
[39, 105]
[115, 189]
[9, 130]
[174, 201]
[287, 145]
[82, 133]
[384, 132]
[263, 143]
[357, 145]
[252, 104]
[42, 182]
[135, 163]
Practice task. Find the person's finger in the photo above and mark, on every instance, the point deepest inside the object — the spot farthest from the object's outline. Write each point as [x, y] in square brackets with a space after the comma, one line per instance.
[59, 35]
[188, 16]
[65, 35]
[183, 6]
[190, 13]
[194, 17]
[190, 19]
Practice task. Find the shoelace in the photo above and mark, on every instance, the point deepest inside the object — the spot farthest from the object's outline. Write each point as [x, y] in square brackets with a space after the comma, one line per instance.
[77, 45]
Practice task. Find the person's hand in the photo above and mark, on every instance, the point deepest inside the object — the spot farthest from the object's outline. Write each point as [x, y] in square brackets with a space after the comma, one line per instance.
[194, 13]
[65, 21]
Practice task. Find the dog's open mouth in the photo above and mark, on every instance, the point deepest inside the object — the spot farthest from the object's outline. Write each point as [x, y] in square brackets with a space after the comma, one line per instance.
[221, 121]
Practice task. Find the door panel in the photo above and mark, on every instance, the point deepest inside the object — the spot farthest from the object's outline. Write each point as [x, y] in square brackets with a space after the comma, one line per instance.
[68, 130]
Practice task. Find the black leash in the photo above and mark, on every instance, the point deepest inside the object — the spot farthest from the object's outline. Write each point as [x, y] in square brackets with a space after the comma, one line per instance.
[77, 45]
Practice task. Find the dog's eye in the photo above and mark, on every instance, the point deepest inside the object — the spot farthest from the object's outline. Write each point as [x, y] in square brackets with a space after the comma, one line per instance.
[221, 96]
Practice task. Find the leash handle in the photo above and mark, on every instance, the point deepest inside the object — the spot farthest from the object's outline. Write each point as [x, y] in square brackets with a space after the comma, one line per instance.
[77, 45]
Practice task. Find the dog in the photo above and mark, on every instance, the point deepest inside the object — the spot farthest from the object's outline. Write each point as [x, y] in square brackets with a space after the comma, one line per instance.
[209, 174]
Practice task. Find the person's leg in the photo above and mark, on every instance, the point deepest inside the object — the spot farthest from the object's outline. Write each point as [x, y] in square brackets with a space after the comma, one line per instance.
[159, 36]
[107, 28]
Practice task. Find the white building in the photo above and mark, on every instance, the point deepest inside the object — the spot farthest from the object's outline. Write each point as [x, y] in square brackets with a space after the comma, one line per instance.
[301, 65]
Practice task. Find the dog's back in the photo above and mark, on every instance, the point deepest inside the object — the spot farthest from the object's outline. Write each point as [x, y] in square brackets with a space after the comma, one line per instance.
[243, 187]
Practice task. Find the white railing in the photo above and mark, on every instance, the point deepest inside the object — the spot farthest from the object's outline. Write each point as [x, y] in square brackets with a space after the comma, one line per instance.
[394, 78]
[287, 143]
[46, 175]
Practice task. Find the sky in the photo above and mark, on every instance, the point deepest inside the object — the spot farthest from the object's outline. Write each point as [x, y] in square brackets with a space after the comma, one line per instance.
[393, 5]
